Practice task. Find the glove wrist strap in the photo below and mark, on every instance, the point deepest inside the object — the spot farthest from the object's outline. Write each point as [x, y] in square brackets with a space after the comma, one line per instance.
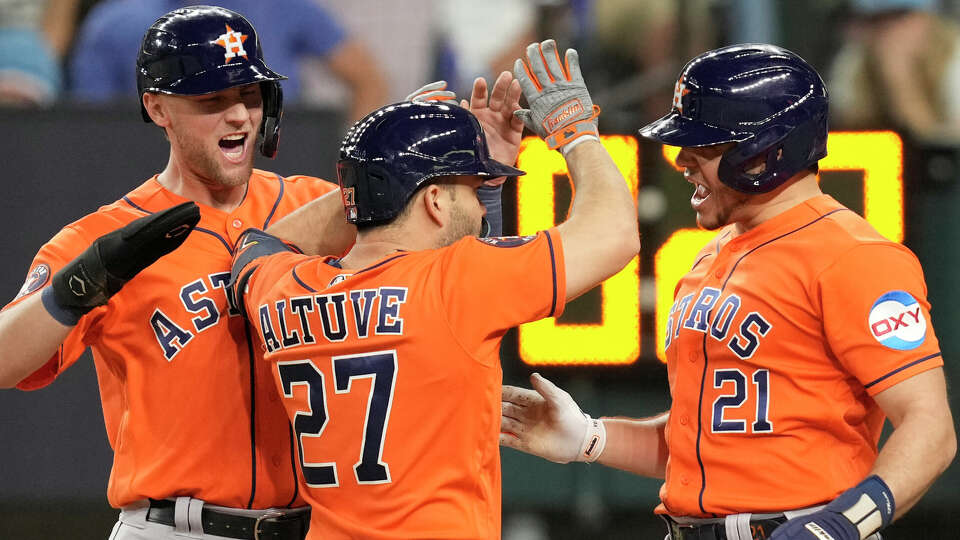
[64, 316]
[869, 505]
[594, 440]
[563, 137]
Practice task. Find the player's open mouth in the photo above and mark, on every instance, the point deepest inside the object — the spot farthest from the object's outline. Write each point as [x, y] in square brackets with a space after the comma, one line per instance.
[234, 147]
[701, 194]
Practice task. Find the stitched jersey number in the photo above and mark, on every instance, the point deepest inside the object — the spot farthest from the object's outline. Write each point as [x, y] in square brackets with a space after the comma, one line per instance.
[761, 379]
[381, 368]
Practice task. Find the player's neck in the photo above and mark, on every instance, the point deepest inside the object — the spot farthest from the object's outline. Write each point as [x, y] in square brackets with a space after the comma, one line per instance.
[374, 245]
[761, 208]
[190, 186]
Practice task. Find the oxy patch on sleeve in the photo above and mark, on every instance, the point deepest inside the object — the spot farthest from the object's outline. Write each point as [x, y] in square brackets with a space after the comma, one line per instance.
[896, 321]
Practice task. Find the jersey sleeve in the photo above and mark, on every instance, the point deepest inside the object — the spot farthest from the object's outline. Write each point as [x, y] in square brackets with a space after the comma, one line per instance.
[876, 315]
[262, 274]
[63, 248]
[490, 285]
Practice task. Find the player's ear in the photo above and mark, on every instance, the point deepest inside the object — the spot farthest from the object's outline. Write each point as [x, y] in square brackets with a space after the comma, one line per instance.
[434, 204]
[156, 109]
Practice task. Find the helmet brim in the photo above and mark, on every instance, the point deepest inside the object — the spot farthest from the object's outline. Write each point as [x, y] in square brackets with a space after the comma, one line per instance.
[493, 168]
[225, 77]
[674, 129]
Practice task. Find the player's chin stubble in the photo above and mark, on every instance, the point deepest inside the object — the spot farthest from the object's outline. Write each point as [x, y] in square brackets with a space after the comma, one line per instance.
[722, 210]
[208, 167]
[461, 225]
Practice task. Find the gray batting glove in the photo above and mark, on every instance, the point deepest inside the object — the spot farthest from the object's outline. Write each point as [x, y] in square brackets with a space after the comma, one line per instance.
[561, 110]
[435, 91]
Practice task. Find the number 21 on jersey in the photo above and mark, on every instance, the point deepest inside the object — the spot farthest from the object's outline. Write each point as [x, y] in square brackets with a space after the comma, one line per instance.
[381, 368]
[722, 379]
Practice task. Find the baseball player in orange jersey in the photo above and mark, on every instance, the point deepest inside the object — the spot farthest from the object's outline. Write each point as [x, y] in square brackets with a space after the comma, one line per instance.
[200, 441]
[388, 359]
[797, 330]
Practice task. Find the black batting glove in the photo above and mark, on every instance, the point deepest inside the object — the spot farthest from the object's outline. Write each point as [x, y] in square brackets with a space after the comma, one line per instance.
[113, 259]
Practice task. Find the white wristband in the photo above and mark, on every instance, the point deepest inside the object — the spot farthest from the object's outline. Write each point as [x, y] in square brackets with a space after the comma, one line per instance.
[593, 440]
[565, 149]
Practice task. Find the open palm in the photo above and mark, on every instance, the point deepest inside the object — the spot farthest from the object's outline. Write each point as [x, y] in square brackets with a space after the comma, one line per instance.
[494, 110]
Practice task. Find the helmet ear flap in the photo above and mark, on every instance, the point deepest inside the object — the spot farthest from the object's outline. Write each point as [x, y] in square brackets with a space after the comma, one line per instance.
[732, 169]
[787, 150]
[272, 115]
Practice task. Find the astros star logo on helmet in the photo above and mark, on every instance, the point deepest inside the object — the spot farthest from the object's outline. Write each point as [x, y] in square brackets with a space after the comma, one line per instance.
[232, 41]
[679, 90]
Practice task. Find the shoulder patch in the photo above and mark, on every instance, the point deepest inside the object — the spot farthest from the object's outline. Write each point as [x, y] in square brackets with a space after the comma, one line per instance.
[896, 321]
[37, 278]
[508, 241]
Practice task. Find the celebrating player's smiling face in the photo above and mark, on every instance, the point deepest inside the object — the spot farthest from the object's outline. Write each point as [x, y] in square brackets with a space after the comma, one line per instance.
[214, 135]
[715, 203]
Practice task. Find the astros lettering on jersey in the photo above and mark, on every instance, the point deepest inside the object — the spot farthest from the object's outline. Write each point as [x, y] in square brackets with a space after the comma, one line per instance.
[780, 339]
[391, 377]
[186, 408]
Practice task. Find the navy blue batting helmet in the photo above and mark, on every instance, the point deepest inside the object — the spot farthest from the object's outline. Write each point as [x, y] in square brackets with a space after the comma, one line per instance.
[387, 155]
[203, 49]
[765, 98]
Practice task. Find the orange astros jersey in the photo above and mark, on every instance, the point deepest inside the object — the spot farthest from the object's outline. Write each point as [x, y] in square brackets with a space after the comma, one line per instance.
[391, 376]
[776, 342]
[187, 410]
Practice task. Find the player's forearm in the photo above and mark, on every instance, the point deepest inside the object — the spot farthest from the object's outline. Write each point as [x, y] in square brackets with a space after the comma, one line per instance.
[602, 227]
[636, 445]
[920, 448]
[318, 228]
[29, 336]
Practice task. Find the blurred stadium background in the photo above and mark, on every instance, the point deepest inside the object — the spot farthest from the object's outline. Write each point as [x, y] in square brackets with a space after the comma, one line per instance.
[890, 65]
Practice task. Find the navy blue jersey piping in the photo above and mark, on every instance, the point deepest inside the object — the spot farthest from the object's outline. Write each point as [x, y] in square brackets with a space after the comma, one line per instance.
[253, 415]
[379, 264]
[331, 263]
[276, 203]
[901, 368]
[293, 462]
[703, 470]
[744, 256]
[553, 270]
[296, 278]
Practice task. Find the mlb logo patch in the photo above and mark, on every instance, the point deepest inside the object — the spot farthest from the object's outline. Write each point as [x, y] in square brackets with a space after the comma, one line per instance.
[896, 321]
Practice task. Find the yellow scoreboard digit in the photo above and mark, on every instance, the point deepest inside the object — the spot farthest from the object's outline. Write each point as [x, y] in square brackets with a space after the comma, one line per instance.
[616, 340]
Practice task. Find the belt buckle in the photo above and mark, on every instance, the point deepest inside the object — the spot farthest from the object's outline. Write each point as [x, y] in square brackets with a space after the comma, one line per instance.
[269, 515]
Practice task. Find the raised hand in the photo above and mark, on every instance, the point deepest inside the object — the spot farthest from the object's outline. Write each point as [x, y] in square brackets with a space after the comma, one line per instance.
[495, 111]
[561, 110]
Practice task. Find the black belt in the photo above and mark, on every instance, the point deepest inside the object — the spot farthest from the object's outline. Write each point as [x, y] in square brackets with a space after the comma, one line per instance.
[272, 525]
[760, 529]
